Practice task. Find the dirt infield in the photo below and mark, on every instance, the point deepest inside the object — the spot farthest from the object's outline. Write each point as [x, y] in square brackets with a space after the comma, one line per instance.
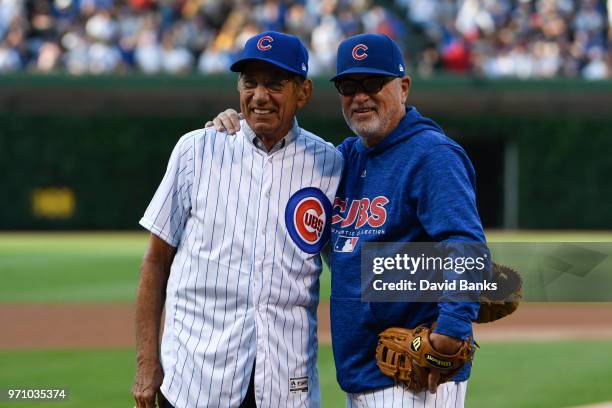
[27, 326]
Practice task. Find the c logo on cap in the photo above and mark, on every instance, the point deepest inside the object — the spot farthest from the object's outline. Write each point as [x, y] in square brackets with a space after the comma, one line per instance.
[359, 52]
[264, 47]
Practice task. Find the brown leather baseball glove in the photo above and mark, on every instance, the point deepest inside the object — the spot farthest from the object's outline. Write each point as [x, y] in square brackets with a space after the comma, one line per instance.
[505, 300]
[406, 355]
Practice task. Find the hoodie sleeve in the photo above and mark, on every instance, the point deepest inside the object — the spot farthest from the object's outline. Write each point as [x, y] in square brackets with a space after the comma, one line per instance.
[444, 186]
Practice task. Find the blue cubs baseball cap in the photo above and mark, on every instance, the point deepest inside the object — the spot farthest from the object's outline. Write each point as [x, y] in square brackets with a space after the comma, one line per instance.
[283, 50]
[369, 54]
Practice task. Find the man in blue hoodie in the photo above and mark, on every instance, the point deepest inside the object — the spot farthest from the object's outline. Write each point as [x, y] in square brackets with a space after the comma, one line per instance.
[404, 180]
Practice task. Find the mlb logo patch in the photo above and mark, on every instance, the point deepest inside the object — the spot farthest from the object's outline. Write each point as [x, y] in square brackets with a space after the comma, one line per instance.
[345, 244]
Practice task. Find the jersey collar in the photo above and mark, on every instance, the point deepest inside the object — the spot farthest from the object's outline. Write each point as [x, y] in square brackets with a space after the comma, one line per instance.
[255, 141]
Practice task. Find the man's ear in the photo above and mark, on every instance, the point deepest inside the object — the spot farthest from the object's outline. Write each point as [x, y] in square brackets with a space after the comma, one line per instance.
[304, 92]
[238, 82]
[405, 82]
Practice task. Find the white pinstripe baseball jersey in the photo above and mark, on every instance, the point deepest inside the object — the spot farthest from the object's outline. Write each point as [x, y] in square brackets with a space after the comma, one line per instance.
[244, 284]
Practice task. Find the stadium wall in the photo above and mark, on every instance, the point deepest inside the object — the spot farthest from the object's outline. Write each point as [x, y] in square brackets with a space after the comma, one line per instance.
[88, 152]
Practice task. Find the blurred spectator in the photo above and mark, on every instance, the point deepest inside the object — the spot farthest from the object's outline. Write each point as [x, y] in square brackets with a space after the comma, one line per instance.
[589, 18]
[103, 58]
[147, 53]
[596, 68]
[299, 22]
[495, 38]
[76, 58]
[214, 60]
[456, 56]
[9, 58]
[10, 10]
[325, 40]
[349, 21]
[175, 58]
[270, 15]
[49, 55]
[101, 26]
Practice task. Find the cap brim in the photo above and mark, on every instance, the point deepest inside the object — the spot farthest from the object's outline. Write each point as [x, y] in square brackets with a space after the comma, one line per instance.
[364, 70]
[237, 66]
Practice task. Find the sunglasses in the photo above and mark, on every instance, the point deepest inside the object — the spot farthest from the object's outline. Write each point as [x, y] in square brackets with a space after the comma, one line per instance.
[370, 85]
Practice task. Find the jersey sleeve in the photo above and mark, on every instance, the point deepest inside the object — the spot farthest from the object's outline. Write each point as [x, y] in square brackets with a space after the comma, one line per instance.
[168, 211]
[341, 149]
[446, 207]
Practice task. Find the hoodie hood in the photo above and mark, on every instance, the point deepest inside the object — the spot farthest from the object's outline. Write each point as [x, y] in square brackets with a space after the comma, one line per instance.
[411, 124]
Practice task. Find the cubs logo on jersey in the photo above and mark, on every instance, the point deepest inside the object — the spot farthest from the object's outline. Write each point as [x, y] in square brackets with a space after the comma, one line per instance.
[307, 216]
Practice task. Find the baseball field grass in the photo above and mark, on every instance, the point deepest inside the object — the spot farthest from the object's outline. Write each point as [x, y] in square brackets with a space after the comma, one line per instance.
[75, 268]
[542, 375]
[103, 267]
[70, 268]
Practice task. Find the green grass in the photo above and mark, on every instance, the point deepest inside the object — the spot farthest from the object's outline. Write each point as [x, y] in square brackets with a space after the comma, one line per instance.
[103, 378]
[93, 378]
[549, 236]
[66, 267]
[505, 375]
[554, 374]
[331, 394]
[103, 267]
[76, 267]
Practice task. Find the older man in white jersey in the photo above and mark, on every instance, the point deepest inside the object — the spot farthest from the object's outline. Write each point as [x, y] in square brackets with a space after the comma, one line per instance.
[236, 227]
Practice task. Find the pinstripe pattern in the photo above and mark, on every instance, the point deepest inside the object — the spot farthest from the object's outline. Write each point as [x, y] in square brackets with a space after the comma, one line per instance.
[449, 395]
[239, 289]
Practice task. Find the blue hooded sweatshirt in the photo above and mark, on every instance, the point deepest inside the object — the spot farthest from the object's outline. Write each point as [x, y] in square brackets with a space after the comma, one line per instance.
[416, 185]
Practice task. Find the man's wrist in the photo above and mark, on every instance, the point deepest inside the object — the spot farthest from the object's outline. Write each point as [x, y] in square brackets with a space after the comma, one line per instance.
[147, 358]
[444, 344]
[452, 325]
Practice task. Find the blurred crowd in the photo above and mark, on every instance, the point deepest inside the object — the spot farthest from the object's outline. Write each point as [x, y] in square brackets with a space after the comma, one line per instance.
[514, 38]
[492, 38]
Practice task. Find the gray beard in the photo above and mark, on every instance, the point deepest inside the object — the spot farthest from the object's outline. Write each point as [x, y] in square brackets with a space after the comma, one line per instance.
[366, 130]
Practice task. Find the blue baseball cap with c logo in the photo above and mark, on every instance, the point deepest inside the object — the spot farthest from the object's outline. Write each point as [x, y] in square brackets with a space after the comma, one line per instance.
[282, 50]
[369, 54]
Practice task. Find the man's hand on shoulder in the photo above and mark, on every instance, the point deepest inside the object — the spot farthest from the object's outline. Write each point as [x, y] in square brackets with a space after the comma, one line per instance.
[228, 119]
[149, 377]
